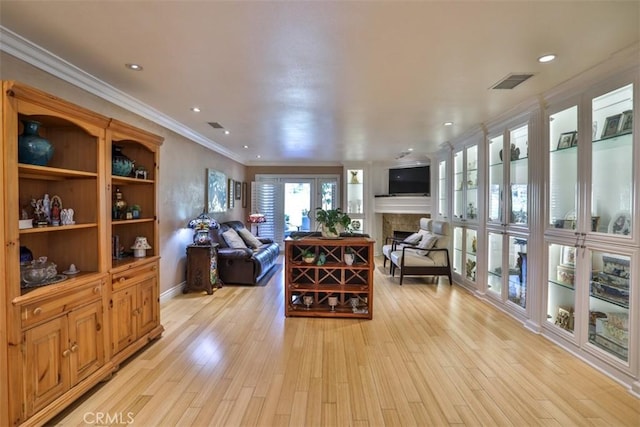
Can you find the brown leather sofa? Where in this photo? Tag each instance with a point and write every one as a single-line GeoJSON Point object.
{"type": "Point", "coordinates": [244, 266]}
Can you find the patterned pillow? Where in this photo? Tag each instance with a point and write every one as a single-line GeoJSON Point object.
{"type": "Point", "coordinates": [233, 239]}
{"type": "Point", "coordinates": [251, 240]}
{"type": "Point", "coordinates": [426, 243]}
{"type": "Point", "coordinates": [412, 239]}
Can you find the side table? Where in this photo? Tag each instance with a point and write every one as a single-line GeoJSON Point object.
{"type": "Point", "coordinates": [202, 268]}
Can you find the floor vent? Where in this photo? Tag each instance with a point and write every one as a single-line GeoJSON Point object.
{"type": "Point", "coordinates": [216, 125]}
{"type": "Point", "coordinates": [511, 81]}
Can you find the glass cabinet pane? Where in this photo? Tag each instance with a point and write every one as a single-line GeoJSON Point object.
{"type": "Point", "coordinates": [561, 286]}
{"type": "Point", "coordinates": [563, 168]}
{"type": "Point", "coordinates": [518, 271]}
{"type": "Point", "coordinates": [495, 179]}
{"type": "Point", "coordinates": [471, 263]}
{"type": "Point", "coordinates": [457, 249]}
{"type": "Point", "coordinates": [442, 190]}
{"type": "Point", "coordinates": [494, 276]}
{"type": "Point", "coordinates": [519, 175]}
{"type": "Point", "coordinates": [612, 150]}
{"type": "Point", "coordinates": [458, 181]}
{"type": "Point", "coordinates": [355, 191]}
{"type": "Point", "coordinates": [472, 183]}
{"type": "Point", "coordinates": [609, 303]}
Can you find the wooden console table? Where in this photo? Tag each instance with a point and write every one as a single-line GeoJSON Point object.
{"type": "Point", "coordinates": [334, 288]}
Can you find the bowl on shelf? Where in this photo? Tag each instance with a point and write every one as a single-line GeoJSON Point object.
{"type": "Point", "coordinates": [38, 271]}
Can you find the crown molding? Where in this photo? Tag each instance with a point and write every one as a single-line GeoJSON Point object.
{"type": "Point", "coordinates": [23, 49]}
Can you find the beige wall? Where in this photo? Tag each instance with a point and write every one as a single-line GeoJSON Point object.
{"type": "Point", "coordinates": [183, 165]}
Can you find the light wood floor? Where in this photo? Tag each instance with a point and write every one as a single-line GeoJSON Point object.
{"type": "Point", "coordinates": [432, 355]}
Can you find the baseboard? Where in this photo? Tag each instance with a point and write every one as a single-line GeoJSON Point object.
{"type": "Point", "coordinates": [171, 292]}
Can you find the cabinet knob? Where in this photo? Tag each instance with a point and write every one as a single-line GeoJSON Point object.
{"type": "Point", "coordinates": [96, 290]}
{"type": "Point", "coordinates": [122, 279]}
{"type": "Point", "coordinates": [74, 348]}
{"type": "Point", "coordinates": [37, 311]}
{"type": "Point", "coordinates": [66, 353]}
{"type": "Point", "coordinates": [154, 268]}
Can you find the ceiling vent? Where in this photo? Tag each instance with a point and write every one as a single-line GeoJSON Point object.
{"type": "Point", "coordinates": [511, 81]}
{"type": "Point", "coordinates": [216, 125]}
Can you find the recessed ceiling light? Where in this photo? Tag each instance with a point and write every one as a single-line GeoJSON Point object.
{"type": "Point", "coordinates": [547, 58]}
{"type": "Point", "coordinates": [134, 67]}
{"type": "Point", "coordinates": [245, 147]}
{"type": "Point", "coordinates": [448, 123]}
{"type": "Point", "coordinates": [226, 132]}
{"type": "Point", "coordinates": [409, 149]}
{"type": "Point", "coordinates": [195, 109]}
{"type": "Point", "coordinates": [258, 156]}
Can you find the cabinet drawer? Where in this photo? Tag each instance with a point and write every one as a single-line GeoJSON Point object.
{"type": "Point", "coordinates": [34, 313]}
{"type": "Point", "coordinates": [133, 275]}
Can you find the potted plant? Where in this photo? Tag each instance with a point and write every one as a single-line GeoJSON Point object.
{"type": "Point", "coordinates": [135, 211]}
{"type": "Point", "coordinates": [332, 221]}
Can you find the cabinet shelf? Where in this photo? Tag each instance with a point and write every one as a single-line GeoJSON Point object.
{"type": "Point", "coordinates": [50, 229]}
{"type": "Point", "coordinates": [117, 222]}
{"type": "Point", "coordinates": [51, 174]}
{"type": "Point", "coordinates": [563, 285]}
{"type": "Point", "coordinates": [123, 180]}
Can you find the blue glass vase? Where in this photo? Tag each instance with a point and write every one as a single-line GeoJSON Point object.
{"type": "Point", "coordinates": [32, 148]}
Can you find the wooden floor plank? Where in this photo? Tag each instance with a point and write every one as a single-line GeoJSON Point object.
{"type": "Point", "coordinates": [433, 355]}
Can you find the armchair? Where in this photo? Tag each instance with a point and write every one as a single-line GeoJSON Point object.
{"type": "Point", "coordinates": [425, 260]}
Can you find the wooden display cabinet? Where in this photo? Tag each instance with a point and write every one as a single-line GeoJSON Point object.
{"type": "Point", "coordinates": [57, 340]}
{"type": "Point", "coordinates": [134, 295]}
{"type": "Point", "coordinates": [311, 289]}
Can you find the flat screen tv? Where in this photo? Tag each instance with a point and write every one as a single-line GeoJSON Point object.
{"type": "Point", "coordinates": [410, 181]}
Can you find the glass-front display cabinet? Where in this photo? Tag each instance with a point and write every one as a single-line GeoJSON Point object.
{"type": "Point", "coordinates": [356, 199]}
{"type": "Point", "coordinates": [465, 177]}
{"type": "Point", "coordinates": [590, 240]}
{"type": "Point", "coordinates": [443, 200]}
{"type": "Point", "coordinates": [465, 248]}
{"type": "Point", "coordinates": [612, 150]}
{"type": "Point", "coordinates": [507, 215]}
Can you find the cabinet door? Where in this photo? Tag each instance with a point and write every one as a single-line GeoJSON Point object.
{"type": "Point", "coordinates": [123, 325]}
{"type": "Point", "coordinates": [46, 363]}
{"type": "Point", "coordinates": [147, 309]}
{"type": "Point", "coordinates": [85, 341]}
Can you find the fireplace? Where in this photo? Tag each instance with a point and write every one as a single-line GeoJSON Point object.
{"type": "Point", "coordinates": [401, 222]}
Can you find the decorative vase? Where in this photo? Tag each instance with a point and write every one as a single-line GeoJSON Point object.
{"type": "Point", "coordinates": [32, 148]}
{"type": "Point", "coordinates": [348, 259]}
{"type": "Point", "coordinates": [121, 165]}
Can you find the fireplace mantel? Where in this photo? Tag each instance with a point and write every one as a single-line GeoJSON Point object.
{"type": "Point", "coordinates": [402, 204]}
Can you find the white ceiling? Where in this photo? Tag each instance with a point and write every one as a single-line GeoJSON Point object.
{"type": "Point", "coordinates": [328, 82]}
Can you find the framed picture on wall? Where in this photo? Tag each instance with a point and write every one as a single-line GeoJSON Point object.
{"type": "Point", "coordinates": [245, 195]}
{"type": "Point", "coordinates": [216, 191]}
{"type": "Point", "coordinates": [237, 190]}
{"type": "Point", "coordinates": [231, 198]}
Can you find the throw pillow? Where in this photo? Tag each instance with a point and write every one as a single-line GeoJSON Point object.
{"type": "Point", "coordinates": [233, 239]}
{"type": "Point", "coordinates": [412, 239]}
{"type": "Point", "coordinates": [426, 244]}
{"type": "Point", "coordinates": [251, 240]}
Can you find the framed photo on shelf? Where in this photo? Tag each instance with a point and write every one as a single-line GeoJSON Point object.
{"type": "Point", "coordinates": [564, 318]}
{"type": "Point", "coordinates": [611, 125]}
{"type": "Point", "coordinates": [626, 122]}
{"type": "Point", "coordinates": [567, 139]}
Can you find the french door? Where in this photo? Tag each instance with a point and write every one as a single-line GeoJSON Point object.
{"type": "Point", "coordinates": [289, 202]}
